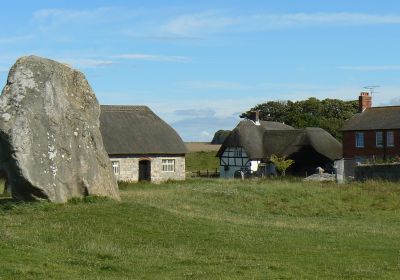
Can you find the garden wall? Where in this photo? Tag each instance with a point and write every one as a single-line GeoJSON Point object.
{"type": "Point", "coordinates": [389, 171]}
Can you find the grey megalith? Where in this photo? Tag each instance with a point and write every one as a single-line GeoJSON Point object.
{"type": "Point", "coordinates": [50, 143]}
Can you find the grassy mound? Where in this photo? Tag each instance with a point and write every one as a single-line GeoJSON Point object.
{"type": "Point", "coordinates": [202, 161]}
{"type": "Point", "coordinates": [208, 229]}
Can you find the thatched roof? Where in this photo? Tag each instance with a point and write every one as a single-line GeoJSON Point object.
{"type": "Point", "coordinates": [251, 137]}
{"type": "Point", "coordinates": [260, 142]}
{"type": "Point", "coordinates": [375, 118]}
{"type": "Point", "coordinates": [137, 130]}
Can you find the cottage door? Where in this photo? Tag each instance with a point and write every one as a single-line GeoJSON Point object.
{"type": "Point", "coordinates": [144, 170]}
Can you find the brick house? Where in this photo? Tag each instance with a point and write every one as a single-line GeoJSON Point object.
{"type": "Point", "coordinates": [372, 133]}
{"type": "Point", "coordinates": [140, 145]}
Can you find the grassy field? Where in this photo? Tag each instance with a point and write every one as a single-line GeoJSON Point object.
{"type": "Point", "coordinates": [202, 147]}
{"type": "Point", "coordinates": [196, 161]}
{"type": "Point", "coordinates": [209, 229]}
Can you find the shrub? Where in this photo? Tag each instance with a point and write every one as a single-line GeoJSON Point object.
{"type": "Point", "coordinates": [281, 163]}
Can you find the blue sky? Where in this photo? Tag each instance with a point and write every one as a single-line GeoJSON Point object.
{"type": "Point", "coordinates": [199, 64]}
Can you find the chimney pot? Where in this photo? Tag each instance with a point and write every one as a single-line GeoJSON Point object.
{"type": "Point", "coordinates": [364, 101]}
{"type": "Point", "coordinates": [255, 117]}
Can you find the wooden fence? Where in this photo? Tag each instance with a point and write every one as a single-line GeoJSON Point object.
{"type": "Point", "coordinates": [205, 173]}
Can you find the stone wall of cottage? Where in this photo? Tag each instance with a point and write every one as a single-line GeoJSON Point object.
{"type": "Point", "coordinates": [129, 168]}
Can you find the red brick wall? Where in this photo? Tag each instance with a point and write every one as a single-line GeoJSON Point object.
{"type": "Point", "coordinates": [370, 149]}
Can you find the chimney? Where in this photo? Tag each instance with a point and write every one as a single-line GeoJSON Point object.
{"type": "Point", "coordinates": [364, 101]}
{"type": "Point", "coordinates": [255, 117]}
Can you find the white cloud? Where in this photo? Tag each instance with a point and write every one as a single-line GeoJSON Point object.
{"type": "Point", "coordinates": [203, 128]}
{"type": "Point", "coordinates": [152, 57]}
{"type": "Point", "coordinates": [210, 20]}
{"type": "Point", "coordinates": [50, 19]}
{"type": "Point", "coordinates": [56, 16]}
{"type": "Point", "coordinates": [154, 34]}
{"type": "Point", "coordinates": [102, 61]}
{"type": "Point", "coordinates": [205, 133]}
{"type": "Point", "coordinates": [86, 63]}
{"type": "Point", "coordinates": [394, 101]}
{"type": "Point", "coordinates": [214, 21]}
{"type": "Point", "coordinates": [371, 68]}
{"type": "Point", "coordinates": [206, 112]}
{"type": "Point", "coordinates": [222, 85]}
{"type": "Point", "coordinates": [222, 107]}
{"type": "Point", "coordinates": [15, 39]}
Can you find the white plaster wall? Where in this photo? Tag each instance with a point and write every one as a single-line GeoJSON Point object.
{"type": "Point", "coordinates": [129, 168]}
{"type": "Point", "coordinates": [228, 157]}
{"type": "Point", "coordinates": [254, 165]}
{"type": "Point", "coordinates": [228, 173]}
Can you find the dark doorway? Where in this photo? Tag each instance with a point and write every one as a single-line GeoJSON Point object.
{"type": "Point", "coordinates": [144, 170]}
{"type": "Point", "coordinates": [306, 160]}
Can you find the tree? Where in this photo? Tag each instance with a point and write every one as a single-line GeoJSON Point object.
{"type": "Point", "coordinates": [281, 163]}
{"type": "Point", "coordinates": [220, 136]}
{"type": "Point", "coordinates": [329, 114]}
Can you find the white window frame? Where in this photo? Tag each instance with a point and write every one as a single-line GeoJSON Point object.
{"type": "Point", "coordinates": [238, 152]}
{"type": "Point", "coordinates": [360, 141]}
{"type": "Point", "coordinates": [115, 166]}
{"type": "Point", "coordinates": [379, 139]}
{"type": "Point", "coordinates": [168, 165]}
{"type": "Point", "coordinates": [390, 138]}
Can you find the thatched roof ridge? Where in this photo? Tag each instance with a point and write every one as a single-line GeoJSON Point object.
{"type": "Point", "coordinates": [246, 134]}
{"type": "Point", "coordinates": [261, 143]}
{"type": "Point", "coordinates": [250, 136]}
{"type": "Point", "coordinates": [324, 143]}
{"type": "Point", "coordinates": [137, 130]}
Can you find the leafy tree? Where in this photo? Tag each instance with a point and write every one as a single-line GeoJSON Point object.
{"type": "Point", "coordinates": [329, 114]}
{"type": "Point", "coordinates": [281, 163]}
{"type": "Point", "coordinates": [220, 136]}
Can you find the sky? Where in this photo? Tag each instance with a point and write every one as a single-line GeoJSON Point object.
{"type": "Point", "coordinates": [199, 64]}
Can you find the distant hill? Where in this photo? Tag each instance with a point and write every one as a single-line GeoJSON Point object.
{"type": "Point", "coordinates": [220, 136]}
{"type": "Point", "coordinates": [201, 147]}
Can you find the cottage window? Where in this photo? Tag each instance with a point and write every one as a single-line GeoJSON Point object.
{"type": "Point", "coordinates": [168, 165]}
{"type": "Point", "coordinates": [390, 139]}
{"type": "Point", "coordinates": [379, 138]}
{"type": "Point", "coordinates": [360, 139]}
{"type": "Point", "coordinates": [115, 166]}
{"type": "Point", "coordinates": [238, 152]}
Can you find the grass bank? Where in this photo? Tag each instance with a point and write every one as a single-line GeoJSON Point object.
{"type": "Point", "coordinates": [202, 161]}
{"type": "Point", "coordinates": [208, 229]}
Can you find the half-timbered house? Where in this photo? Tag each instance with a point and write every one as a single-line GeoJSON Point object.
{"type": "Point", "coordinates": [253, 142]}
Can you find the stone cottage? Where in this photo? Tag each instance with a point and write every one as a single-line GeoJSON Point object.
{"type": "Point", "coordinates": [141, 146]}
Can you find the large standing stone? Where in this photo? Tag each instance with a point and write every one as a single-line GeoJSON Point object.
{"type": "Point", "coordinates": [50, 142]}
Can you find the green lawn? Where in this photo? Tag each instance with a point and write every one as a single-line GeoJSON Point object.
{"type": "Point", "coordinates": [209, 229]}
{"type": "Point", "coordinates": [202, 161]}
